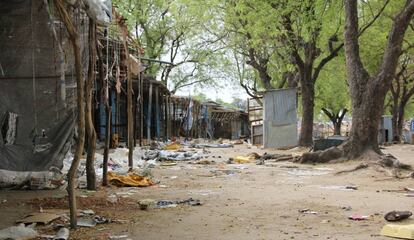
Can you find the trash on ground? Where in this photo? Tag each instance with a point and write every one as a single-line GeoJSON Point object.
{"type": "Point", "coordinates": [307, 211]}
{"type": "Point", "coordinates": [175, 203]}
{"type": "Point", "coordinates": [398, 231]}
{"type": "Point", "coordinates": [144, 204]}
{"type": "Point", "coordinates": [357, 217]}
{"type": "Point", "coordinates": [167, 164]}
{"type": "Point", "coordinates": [42, 218]}
{"type": "Point", "coordinates": [340, 187]}
{"type": "Point", "coordinates": [130, 180]}
{"type": "Point", "coordinates": [351, 187]}
{"type": "Point", "coordinates": [19, 232]}
{"type": "Point", "coordinates": [112, 198]}
{"type": "Point", "coordinates": [173, 146]}
{"type": "Point", "coordinates": [224, 145]}
{"type": "Point", "coordinates": [397, 215]}
{"type": "Point", "coordinates": [62, 234]}
{"type": "Point", "coordinates": [86, 222]}
{"type": "Point", "coordinates": [118, 237]}
{"type": "Point", "coordinates": [87, 212]}
{"type": "Point", "coordinates": [249, 158]}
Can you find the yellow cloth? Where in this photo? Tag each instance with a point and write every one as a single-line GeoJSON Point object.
{"type": "Point", "coordinates": [130, 180]}
{"type": "Point", "coordinates": [398, 231]}
{"type": "Point", "coordinates": [172, 146]}
{"type": "Point", "coordinates": [242, 159]}
{"type": "Point", "coordinates": [246, 159]}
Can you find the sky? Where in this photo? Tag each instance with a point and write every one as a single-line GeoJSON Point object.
{"type": "Point", "coordinates": [226, 92]}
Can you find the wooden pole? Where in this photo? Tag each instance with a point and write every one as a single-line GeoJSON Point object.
{"type": "Point", "coordinates": [157, 112]}
{"type": "Point", "coordinates": [107, 141]}
{"type": "Point", "coordinates": [124, 28]}
{"type": "Point", "coordinates": [74, 38]}
{"type": "Point", "coordinates": [141, 106]}
{"type": "Point", "coordinates": [149, 114]}
{"type": "Point", "coordinates": [90, 129]}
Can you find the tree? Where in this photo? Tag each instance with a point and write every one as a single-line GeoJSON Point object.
{"type": "Point", "coordinates": [170, 31]}
{"type": "Point", "coordinates": [402, 89]}
{"type": "Point", "coordinates": [90, 129]}
{"type": "Point", "coordinates": [74, 39]}
{"type": "Point", "coordinates": [292, 40]}
{"type": "Point", "coordinates": [332, 95]}
{"type": "Point", "coordinates": [368, 91]}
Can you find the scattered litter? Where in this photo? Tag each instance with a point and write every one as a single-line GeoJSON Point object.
{"type": "Point", "coordinates": [117, 237]}
{"type": "Point", "coordinates": [307, 172]}
{"type": "Point", "coordinates": [397, 215]}
{"type": "Point", "coordinates": [350, 187]}
{"type": "Point", "coordinates": [202, 192]}
{"type": "Point", "coordinates": [224, 145]}
{"type": "Point", "coordinates": [172, 146]}
{"type": "Point", "coordinates": [167, 164]}
{"type": "Point", "coordinates": [86, 222]}
{"type": "Point", "coordinates": [307, 211]}
{"type": "Point", "coordinates": [112, 198]}
{"type": "Point", "coordinates": [251, 157]}
{"type": "Point", "coordinates": [340, 187]}
{"type": "Point", "coordinates": [145, 203]}
{"type": "Point", "coordinates": [130, 180]}
{"type": "Point", "coordinates": [357, 217]}
{"type": "Point", "coordinates": [398, 231]}
{"type": "Point", "coordinates": [87, 212]}
{"type": "Point", "coordinates": [204, 162]}
{"type": "Point", "coordinates": [175, 203]}
{"type": "Point", "coordinates": [62, 234]}
{"type": "Point", "coordinates": [42, 218]}
{"type": "Point", "coordinates": [19, 232]}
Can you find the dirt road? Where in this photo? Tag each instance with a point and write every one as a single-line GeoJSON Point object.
{"type": "Point", "coordinates": [244, 201]}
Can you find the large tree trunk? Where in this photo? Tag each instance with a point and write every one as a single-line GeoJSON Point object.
{"type": "Point", "coordinates": [368, 93]}
{"type": "Point", "coordinates": [394, 119]}
{"type": "Point", "coordinates": [90, 129]}
{"type": "Point", "coordinates": [74, 38]}
{"type": "Point", "coordinates": [336, 119]}
{"type": "Point", "coordinates": [337, 128]}
{"type": "Point", "coordinates": [400, 122]}
{"type": "Point", "coordinates": [308, 103]}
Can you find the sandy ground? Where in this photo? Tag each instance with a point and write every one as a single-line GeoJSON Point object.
{"type": "Point", "coordinates": [241, 201]}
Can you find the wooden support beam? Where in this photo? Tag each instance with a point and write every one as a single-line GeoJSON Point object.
{"type": "Point", "coordinates": [149, 114]}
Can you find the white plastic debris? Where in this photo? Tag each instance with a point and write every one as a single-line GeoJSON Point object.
{"type": "Point", "coordinates": [19, 232]}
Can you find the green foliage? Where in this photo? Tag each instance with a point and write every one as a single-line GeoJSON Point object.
{"type": "Point", "coordinates": [331, 90]}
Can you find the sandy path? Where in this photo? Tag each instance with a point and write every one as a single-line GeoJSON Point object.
{"type": "Point", "coordinates": [253, 202]}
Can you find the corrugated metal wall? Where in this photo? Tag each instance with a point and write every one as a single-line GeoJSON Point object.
{"type": "Point", "coordinates": [280, 118]}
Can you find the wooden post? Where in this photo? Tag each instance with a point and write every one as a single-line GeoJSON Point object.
{"type": "Point", "coordinates": [149, 114]}
{"type": "Point", "coordinates": [107, 141]}
{"type": "Point", "coordinates": [157, 112]}
{"type": "Point", "coordinates": [90, 129]}
{"type": "Point", "coordinates": [173, 120]}
{"type": "Point", "coordinates": [130, 130]}
{"type": "Point", "coordinates": [74, 38]}
{"type": "Point", "coordinates": [167, 118]}
{"type": "Point", "coordinates": [141, 106]}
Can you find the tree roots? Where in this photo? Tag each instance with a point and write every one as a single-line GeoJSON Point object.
{"type": "Point", "coordinates": [384, 163]}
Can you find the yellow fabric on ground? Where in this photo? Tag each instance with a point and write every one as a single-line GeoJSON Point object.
{"type": "Point", "coordinates": [130, 180]}
{"type": "Point", "coordinates": [398, 231]}
{"type": "Point", "coordinates": [172, 146]}
{"type": "Point", "coordinates": [243, 159]}
{"type": "Point", "coordinates": [251, 157]}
